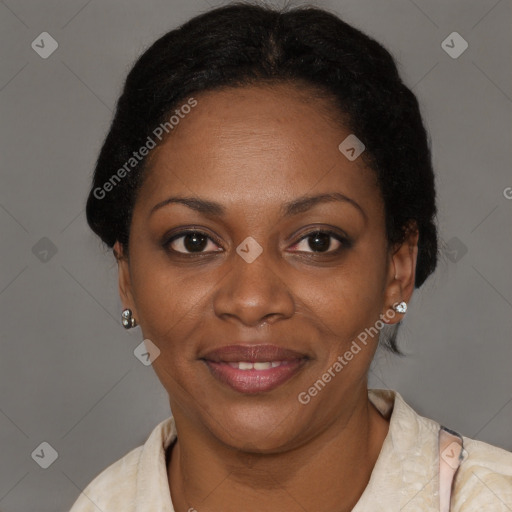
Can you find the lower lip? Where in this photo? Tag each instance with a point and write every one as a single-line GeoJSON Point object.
{"type": "Point", "coordinates": [254, 381]}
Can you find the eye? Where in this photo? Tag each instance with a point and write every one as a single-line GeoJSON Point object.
{"type": "Point", "coordinates": [196, 241]}
{"type": "Point", "coordinates": [320, 242]}
{"type": "Point", "coordinates": [189, 242]}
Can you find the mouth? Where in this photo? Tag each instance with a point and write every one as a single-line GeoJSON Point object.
{"type": "Point", "coordinates": [254, 369]}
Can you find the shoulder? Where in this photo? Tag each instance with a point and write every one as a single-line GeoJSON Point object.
{"type": "Point", "coordinates": [113, 488]}
{"type": "Point", "coordinates": [137, 478]}
{"type": "Point", "coordinates": [484, 478]}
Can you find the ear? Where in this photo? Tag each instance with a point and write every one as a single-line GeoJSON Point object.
{"type": "Point", "coordinates": [401, 274]}
{"type": "Point", "coordinates": [125, 287]}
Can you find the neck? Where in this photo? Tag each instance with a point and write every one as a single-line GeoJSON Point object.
{"type": "Point", "coordinates": [328, 473]}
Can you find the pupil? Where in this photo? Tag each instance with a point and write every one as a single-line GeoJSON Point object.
{"type": "Point", "coordinates": [199, 242]}
{"type": "Point", "coordinates": [323, 245]}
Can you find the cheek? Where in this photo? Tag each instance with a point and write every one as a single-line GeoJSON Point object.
{"type": "Point", "coordinates": [170, 306]}
{"type": "Point", "coordinates": [166, 300]}
{"type": "Point", "coordinates": [351, 297]}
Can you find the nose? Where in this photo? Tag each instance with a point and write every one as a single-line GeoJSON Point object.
{"type": "Point", "coordinates": [254, 292]}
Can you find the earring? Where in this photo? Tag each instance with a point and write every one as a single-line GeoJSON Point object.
{"type": "Point", "coordinates": [400, 307]}
{"type": "Point", "coordinates": [127, 319]}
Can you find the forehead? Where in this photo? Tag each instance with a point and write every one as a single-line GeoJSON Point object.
{"type": "Point", "coordinates": [256, 145]}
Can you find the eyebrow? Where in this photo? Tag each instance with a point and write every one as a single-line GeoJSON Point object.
{"type": "Point", "coordinates": [300, 205]}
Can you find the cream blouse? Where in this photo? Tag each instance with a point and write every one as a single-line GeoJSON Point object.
{"type": "Point", "coordinates": [405, 477]}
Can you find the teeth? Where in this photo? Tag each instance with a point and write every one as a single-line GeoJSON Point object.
{"type": "Point", "coordinates": [262, 366]}
{"type": "Point", "coordinates": [244, 365]}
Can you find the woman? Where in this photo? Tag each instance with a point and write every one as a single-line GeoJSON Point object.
{"type": "Point", "coordinates": [268, 192]}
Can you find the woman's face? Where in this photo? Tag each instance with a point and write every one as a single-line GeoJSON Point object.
{"type": "Point", "coordinates": [250, 276]}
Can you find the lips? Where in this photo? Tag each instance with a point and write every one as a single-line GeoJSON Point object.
{"type": "Point", "coordinates": [252, 353]}
{"type": "Point", "coordinates": [253, 368]}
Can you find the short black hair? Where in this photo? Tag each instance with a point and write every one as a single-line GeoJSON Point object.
{"type": "Point", "coordinates": [242, 44]}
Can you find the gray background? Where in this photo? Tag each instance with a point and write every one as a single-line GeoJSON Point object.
{"type": "Point", "coordinates": [68, 375]}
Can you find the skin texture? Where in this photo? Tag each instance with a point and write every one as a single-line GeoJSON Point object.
{"type": "Point", "coordinates": [253, 149]}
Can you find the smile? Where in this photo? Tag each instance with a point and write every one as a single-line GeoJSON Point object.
{"type": "Point", "coordinates": [253, 368]}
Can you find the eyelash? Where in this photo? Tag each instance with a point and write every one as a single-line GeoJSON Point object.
{"type": "Point", "coordinates": [345, 243]}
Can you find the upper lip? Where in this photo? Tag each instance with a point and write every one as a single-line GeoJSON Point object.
{"type": "Point", "coordinates": [252, 354]}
